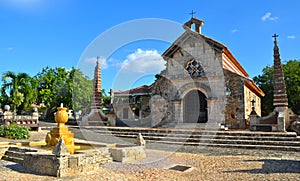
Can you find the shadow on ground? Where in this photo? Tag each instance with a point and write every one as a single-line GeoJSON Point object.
{"type": "Point", "coordinates": [273, 166]}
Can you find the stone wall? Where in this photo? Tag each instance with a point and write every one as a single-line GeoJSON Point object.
{"type": "Point", "coordinates": [61, 166]}
{"type": "Point", "coordinates": [238, 103]}
{"type": "Point", "coordinates": [138, 114]}
{"type": "Point", "coordinates": [235, 109]}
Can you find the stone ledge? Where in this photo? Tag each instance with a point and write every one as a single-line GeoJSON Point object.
{"type": "Point", "coordinates": [48, 164]}
{"type": "Point", "coordinates": [128, 154]}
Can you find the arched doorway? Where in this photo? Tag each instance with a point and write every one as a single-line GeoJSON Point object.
{"type": "Point", "coordinates": [195, 107]}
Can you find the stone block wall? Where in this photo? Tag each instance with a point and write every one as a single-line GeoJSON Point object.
{"type": "Point", "coordinates": [128, 154]}
{"type": "Point", "coordinates": [235, 109]}
{"type": "Point", "coordinates": [61, 166]}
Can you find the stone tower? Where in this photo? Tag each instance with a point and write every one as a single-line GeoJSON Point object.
{"type": "Point", "coordinates": [280, 97]}
{"type": "Point", "coordinates": [280, 100]}
{"type": "Point", "coordinates": [277, 119]}
{"type": "Point", "coordinates": [96, 117]}
{"type": "Point", "coordinates": [97, 89]}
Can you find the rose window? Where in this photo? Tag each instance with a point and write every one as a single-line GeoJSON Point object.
{"type": "Point", "coordinates": [194, 68]}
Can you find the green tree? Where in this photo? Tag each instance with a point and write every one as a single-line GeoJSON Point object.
{"type": "Point", "coordinates": [18, 89]}
{"type": "Point", "coordinates": [45, 80]}
{"type": "Point", "coordinates": [59, 85]}
{"type": "Point", "coordinates": [82, 92]}
{"type": "Point", "coordinates": [105, 99]}
{"type": "Point", "coordinates": [54, 88]}
{"type": "Point", "coordinates": [291, 71]}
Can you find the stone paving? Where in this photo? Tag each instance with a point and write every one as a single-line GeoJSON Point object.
{"type": "Point", "coordinates": [207, 163]}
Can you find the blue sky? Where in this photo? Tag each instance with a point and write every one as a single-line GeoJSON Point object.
{"type": "Point", "coordinates": [39, 33]}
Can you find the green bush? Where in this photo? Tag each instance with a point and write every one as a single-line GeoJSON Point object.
{"type": "Point", "coordinates": [15, 132]}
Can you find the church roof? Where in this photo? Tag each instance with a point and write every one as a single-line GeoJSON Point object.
{"type": "Point", "coordinates": [142, 90]}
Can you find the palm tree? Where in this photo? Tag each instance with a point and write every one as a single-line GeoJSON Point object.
{"type": "Point", "coordinates": [17, 88]}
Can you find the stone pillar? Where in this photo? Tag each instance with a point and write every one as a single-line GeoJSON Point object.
{"type": "Point", "coordinates": [212, 110]}
{"type": "Point", "coordinates": [254, 120]}
{"type": "Point", "coordinates": [35, 113]}
{"type": "Point", "coordinates": [178, 111]}
{"type": "Point", "coordinates": [282, 117]}
{"type": "Point", "coordinates": [112, 119]}
{"type": "Point", "coordinates": [7, 113]}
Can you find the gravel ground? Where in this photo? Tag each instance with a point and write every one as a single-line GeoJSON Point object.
{"type": "Point", "coordinates": [202, 168]}
{"type": "Point", "coordinates": [207, 163]}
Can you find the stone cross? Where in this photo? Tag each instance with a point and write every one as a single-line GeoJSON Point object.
{"type": "Point", "coordinates": [253, 106]}
{"type": "Point", "coordinates": [192, 13]}
{"type": "Point", "coordinates": [275, 37]}
{"type": "Point", "coordinates": [97, 60]}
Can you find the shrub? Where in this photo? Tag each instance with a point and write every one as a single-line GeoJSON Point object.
{"type": "Point", "coordinates": [14, 131]}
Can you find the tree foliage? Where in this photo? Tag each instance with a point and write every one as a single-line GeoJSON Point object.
{"type": "Point", "coordinates": [106, 99]}
{"type": "Point", "coordinates": [51, 87]}
{"type": "Point", "coordinates": [82, 92]}
{"type": "Point", "coordinates": [58, 85]}
{"type": "Point", "coordinates": [291, 71]}
{"type": "Point", "coordinates": [18, 89]}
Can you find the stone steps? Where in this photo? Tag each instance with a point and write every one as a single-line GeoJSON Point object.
{"type": "Point", "coordinates": [218, 141]}
{"type": "Point", "coordinates": [16, 154]}
{"type": "Point", "coordinates": [263, 147]}
{"type": "Point", "coordinates": [12, 159]}
{"type": "Point", "coordinates": [203, 136]}
{"type": "Point", "coordinates": [188, 131]}
{"type": "Point", "coordinates": [195, 137]}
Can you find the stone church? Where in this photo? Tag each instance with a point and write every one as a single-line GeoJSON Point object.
{"type": "Point", "coordinates": [203, 84]}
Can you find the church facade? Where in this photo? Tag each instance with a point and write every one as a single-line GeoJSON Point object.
{"type": "Point", "coordinates": [203, 83]}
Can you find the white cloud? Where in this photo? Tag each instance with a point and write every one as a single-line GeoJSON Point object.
{"type": "Point", "coordinates": [291, 37]}
{"type": "Point", "coordinates": [10, 48]}
{"type": "Point", "coordinates": [143, 61]}
{"type": "Point", "coordinates": [268, 16]}
{"type": "Point", "coordinates": [234, 31]}
{"type": "Point", "coordinates": [93, 60]}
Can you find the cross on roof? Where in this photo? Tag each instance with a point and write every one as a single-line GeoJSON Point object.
{"type": "Point", "coordinates": [192, 13]}
{"type": "Point", "coordinates": [97, 60]}
{"type": "Point", "coordinates": [275, 36]}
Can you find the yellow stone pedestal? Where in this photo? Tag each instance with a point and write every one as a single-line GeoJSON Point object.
{"type": "Point", "coordinates": [61, 131]}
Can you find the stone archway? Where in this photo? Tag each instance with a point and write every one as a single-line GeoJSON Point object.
{"type": "Point", "coordinates": [195, 107]}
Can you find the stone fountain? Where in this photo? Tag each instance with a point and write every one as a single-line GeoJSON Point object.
{"type": "Point", "coordinates": [59, 156]}
{"type": "Point", "coordinates": [61, 131]}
